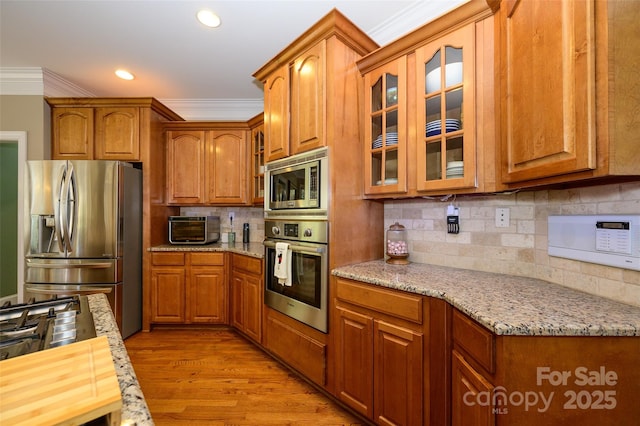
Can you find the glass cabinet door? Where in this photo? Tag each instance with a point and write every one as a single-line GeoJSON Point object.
{"type": "Point", "coordinates": [257, 167]}
{"type": "Point", "coordinates": [446, 125]}
{"type": "Point", "coordinates": [385, 134]}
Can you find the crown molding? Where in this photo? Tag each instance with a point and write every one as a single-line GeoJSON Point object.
{"type": "Point", "coordinates": [39, 82]}
{"type": "Point", "coordinates": [215, 109]}
{"type": "Point", "coordinates": [411, 17]}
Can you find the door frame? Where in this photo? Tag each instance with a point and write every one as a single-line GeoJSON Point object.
{"type": "Point", "coordinates": [19, 137]}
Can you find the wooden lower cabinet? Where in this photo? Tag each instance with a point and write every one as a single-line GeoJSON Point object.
{"type": "Point", "coordinates": [534, 380]}
{"type": "Point", "coordinates": [380, 353]}
{"type": "Point", "coordinates": [247, 295]}
{"type": "Point", "coordinates": [467, 387]}
{"type": "Point", "coordinates": [188, 287]}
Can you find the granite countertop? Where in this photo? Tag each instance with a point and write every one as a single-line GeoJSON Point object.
{"type": "Point", "coordinates": [251, 249]}
{"type": "Point", "coordinates": [134, 406]}
{"type": "Point", "coordinates": [506, 304]}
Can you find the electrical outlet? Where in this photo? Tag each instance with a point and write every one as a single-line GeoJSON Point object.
{"type": "Point", "coordinates": [232, 216]}
{"type": "Point", "coordinates": [502, 217]}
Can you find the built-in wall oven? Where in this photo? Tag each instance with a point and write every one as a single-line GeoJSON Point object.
{"type": "Point", "coordinates": [303, 293]}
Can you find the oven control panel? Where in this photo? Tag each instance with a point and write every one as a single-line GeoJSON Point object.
{"type": "Point", "coordinates": [311, 230]}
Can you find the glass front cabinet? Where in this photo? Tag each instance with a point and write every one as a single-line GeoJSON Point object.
{"type": "Point", "coordinates": [429, 109]}
{"type": "Point", "coordinates": [445, 104]}
{"type": "Point", "coordinates": [385, 134]}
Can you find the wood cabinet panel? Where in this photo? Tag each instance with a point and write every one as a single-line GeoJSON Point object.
{"type": "Point", "coordinates": [72, 136]}
{"type": "Point", "coordinates": [227, 166]}
{"type": "Point", "coordinates": [185, 167]}
{"type": "Point", "coordinates": [117, 134]}
{"type": "Point", "coordinates": [548, 82]}
{"type": "Point", "coordinates": [475, 339]}
{"type": "Point", "coordinates": [354, 364]}
{"type": "Point", "coordinates": [276, 114]}
{"type": "Point", "coordinates": [207, 295]}
{"type": "Point", "coordinates": [308, 99]}
{"type": "Point", "coordinates": [168, 287]}
{"type": "Point", "coordinates": [189, 288]}
{"type": "Point", "coordinates": [398, 375]}
{"type": "Point", "coordinates": [466, 386]}
{"type": "Point", "coordinates": [247, 295]}
{"type": "Point", "coordinates": [299, 350]}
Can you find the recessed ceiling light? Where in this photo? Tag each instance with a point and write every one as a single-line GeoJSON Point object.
{"type": "Point", "coordinates": [124, 74]}
{"type": "Point", "coordinates": [208, 18]}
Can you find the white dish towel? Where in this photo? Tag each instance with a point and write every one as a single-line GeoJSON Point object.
{"type": "Point", "coordinates": [282, 266]}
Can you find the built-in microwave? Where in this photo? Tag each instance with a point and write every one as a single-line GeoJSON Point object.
{"type": "Point", "coordinates": [194, 229]}
{"type": "Point", "coordinates": [297, 185]}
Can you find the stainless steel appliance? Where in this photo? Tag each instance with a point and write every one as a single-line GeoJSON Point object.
{"type": "Point", "coordinates": [194, 229]}
{"type": "Point", "coordinates": [305, 297]}
{"type": "Point", "coordinates": [84, 233]}
{"type": "Point", "coordinates": [297, 185]}
{"type": "Point", "coordinates": [35, 326]}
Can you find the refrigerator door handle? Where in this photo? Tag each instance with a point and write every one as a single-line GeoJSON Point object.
{"type": "Point", "coordinates": [67, 207]}
{"type": "Point", "coordinates": [59, 212]}
{"type": "Point", "coordinates": [31, 263]}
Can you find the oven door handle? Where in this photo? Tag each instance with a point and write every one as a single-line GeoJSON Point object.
{"type": "Point", "coordinates": [297, 248]}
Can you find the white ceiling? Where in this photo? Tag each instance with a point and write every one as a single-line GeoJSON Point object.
{"type": "Point", "coordinates": [174, 58]}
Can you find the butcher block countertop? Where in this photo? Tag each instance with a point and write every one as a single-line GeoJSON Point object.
{"type": "Point", "coordinates": [506, 304]}
{"type": "Point", "coordinates": [251, 249]}
{"type": "Point", "coordinates": [70, 384]}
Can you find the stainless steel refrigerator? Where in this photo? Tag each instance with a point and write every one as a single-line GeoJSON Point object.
{"type": "Point", "coordinates": [84, 233]}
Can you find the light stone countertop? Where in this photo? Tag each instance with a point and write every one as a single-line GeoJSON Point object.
{"type": "Point", "coordinates": [251, 249]}
{"type": "Point", "coordinates": [506, 304]}
{"type": "Point", "coordinates": [134, 407]}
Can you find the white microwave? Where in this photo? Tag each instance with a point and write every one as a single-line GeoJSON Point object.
{"type": "Point", "coordinates": [297, 185]}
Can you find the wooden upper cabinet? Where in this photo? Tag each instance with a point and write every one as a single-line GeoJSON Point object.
{"type": "Point", "coordinates": [446, 127]}
{"type": "Point", "coordinates": [548, 82]}
{"type": "Point", "coordinates": [207, 163]}
{"type": "Point", "coordinates": [308, 100]}
{"type": "Point", "coordinates": [256, 159]}
{"type": "Point", "coordinates": [226, 167]}
{"type": "Point", "coordinates": [385, 132]}
{"type": "Point", "coordinates": [123, 129]}
{"type": "Point", "coordinates": [569, 94]}
{"type": "Point", "coordinates": [429, 108]}
{"type": "Point", "coordinates": [276, 114]}
{"type": "Point", "coordinates": [185, 166]}
{"type": "Point", "coordinates": [72, 133]}
{"type": "Point", "coordinates": [117, 134]}
{"type": "Point", "coordinates": [310, 88]}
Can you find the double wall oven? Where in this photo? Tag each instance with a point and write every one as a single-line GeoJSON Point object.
{"type": "Point", "coordinates": [297, 237]}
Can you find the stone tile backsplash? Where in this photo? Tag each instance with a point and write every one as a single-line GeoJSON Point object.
{"type": "Point", "coordinates": [254, 216]}
{"type": "Point", "coordinates": [521, 248]}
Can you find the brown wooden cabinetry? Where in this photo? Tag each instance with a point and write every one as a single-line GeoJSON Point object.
{"type": "Point", "coordinates": [380, 353]}
{"type": "Point", "coordinates": [188, 288]}
{"type": "Point", "coordinates": [303, 81]}
{"type": "Point", "coordinates": [207, 163]}
{"type": "Point", "coordinates": [100, 128]}
{"type": "Point", "coordinates": [569, 98]}
{"type": "Point", "coordinates": [425, 97]}
{"type": "Point", "coordinates": [257, 159]}
{"type": "Point", "coordinates": [247, 295]}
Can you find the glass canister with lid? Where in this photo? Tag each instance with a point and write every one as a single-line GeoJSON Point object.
{"type": "Point", "coordinates": [397, 245]}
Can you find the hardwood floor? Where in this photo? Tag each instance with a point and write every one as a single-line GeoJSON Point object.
{"type": "Point", "coordinates": [216, 377]}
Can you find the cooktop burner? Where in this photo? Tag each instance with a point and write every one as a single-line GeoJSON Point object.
{"type": "Point", "coordinates": [34, 326]}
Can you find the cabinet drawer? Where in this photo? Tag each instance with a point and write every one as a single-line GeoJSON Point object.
{"type": "Point", "coordinates": [395, 303]}
{"type": "Point", "coordinates": [247, 263]}
{"type": "Point", "coordinates": [167, 258]}
{"type": "Point", "coordinates": [476, 340]}
{"type": "Point", "coordinates": [207, 258]}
